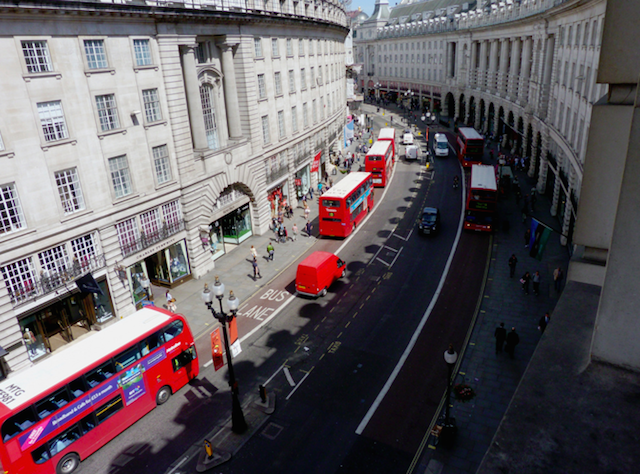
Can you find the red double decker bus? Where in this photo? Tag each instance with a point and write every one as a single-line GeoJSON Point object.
{"type": "Point", "coordinates": [379, 162]}
{"type": "Point", "coordinates": [388, 134]}
{"type": "Point", "coordinates": [345, 204]}
{"type": "Point", "coordinates": [58, 412]}
{"type": "Point", "coordinates": [482, 199]}
{"type": "Point", "coordinates": [470, 147]}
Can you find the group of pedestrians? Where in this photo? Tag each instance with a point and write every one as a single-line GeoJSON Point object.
{"type": "Point", "coordinates": [511, 339]}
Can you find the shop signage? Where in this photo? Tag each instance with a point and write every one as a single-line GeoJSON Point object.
{"type": "Point", "coordinates": [316, 162]}
{"type": "Point", "coordinates": [298, 182]}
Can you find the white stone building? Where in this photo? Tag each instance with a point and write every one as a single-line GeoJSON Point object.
{"type": "Point", "coordinates": [140, 141]}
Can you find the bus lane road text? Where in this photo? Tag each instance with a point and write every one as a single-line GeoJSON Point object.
{"type": "Point", "coordinates": [261, 307]}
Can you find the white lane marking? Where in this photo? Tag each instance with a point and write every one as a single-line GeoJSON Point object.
{"type": "Point", "coordinates": [182, 461]}
{"type": "Point", "coordinates": [403, 238]}
{"type": "Point", "coordinates": [274, 374]}
{"type": "Point", "coordinates": [208, 363]}
{"type": "Point", "coordinates": [273, 315]}
{"type": "Point", "coordinates": [414, 338]}
{"type": "Point", "coordinates": [296, 387]}
{"type": "Point", "coordinates": [396, 257]}
{"type": "Point", "coordinates": [287, 374]}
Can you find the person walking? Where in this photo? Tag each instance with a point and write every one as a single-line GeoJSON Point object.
{"type": "Point", "coordinates": [536, 283]}
{"type": "Point", "coordinates": [307, 211]}
{"type": "Point", "coordinates": [254, 252]}
{"type": "Point", "coordinates": [256, 269]}
{"type": "Point", "coordinates": [500, 335]}
{"type": "Point", "coordinates": [171, 302]}
{"type": "Point", "coordinates": [294, 229]}
{"type": "Point", "coordinates": [542, 324]}
{"type": "Point", "coordinates": [308, 229]}
{"type": "Point", "coordinates": [512, 341]}
{"type": "Point", "coordinates": [513, 260]}
{"type": "Point", "coordinates": [526, 278]}
{"type": "Point", "coordinates": [270, 251]}
{"type": "Point", "coordinates": [281, 238]}
{"type": "Point", "coordinates": [527, 238]}
{"type": "Point", "coordinates": [557, 278]}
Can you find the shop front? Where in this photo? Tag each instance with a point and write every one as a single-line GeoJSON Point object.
{"type": "Point", "coordinates": [236, 226]}
{"type": "Point", "coordinates": [278, 197]}
{"type": "Point", "coordinates": [59, 323]}
{"type": "Point", "coordinates": [213, 240]}
{"type": "Point", "coordinates": [302, 181]}
{"type": "Point", "coordinates": [163, 266]}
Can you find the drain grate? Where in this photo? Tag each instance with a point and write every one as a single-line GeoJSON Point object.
{"type": "Point", "coordinates": [272, 431]}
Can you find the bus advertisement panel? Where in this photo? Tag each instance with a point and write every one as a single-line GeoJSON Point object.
{"type": "Point", "coordinates": [470, 147]}
{"type": "Point", "coordinates": [379, 162]}
{"type": "Point", "coordinates": [60, 411]}
{"type": "Point", "coordinates": [345, 204]}
{"type": "Point", "coordinates": [389, 134]}
{"type": "Point", "coordinates": [482, 199]}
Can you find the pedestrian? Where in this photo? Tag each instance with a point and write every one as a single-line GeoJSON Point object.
{"type": "Point", "coordinates": [513, 260]}
{"type": "Point", "coordinates": [500, 335]}
{"type": "Point", "coordinates": [526, 278]}
{"type": "Point", "coordinates": [286, 234]}
{"type": "Point", "coordinates": [557, 278]}
{"type": "Point", "coordinates": [536, 283]}
{"type": "Point", "coordinates": [171, 302]}
{"type": "Point", "coordinates": [270, 250]}
{"type": "Point", "coordinates": [512, 341]}
{"type": "Point", "coordinates": [281, 238]}
{"type": "Point", "coordinates": [527, 237]}
{"type": "Point", "coordinates": [256, 269]}
{"type": "Point", "coordinates": [308, 228]}
{"type": "Point", "coordinates": [254, 252]}
{"type": "Point", "coordinates": [294, 229]}
{"type": "Point", "coordinates": [310, 192]}
{"type": "Point", "coordinates": [542, 324]}
{"type": "Point", "coordinates": [307, 211]}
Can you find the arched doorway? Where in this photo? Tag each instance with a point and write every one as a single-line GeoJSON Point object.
{"type": "Point", "coordinates": [463, 110]}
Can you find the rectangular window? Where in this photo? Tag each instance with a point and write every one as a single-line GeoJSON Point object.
{"type": "Point", "coordinates": [262, 89]}
{"type": "Point", "coordinates": [36, 55]}
{"type": "Point", "coordinates": [313, 77]}
{"type": "Point", "coordinates": [289, 47]}
{"type": "Point", "coordinates": [171, 214]}
{"type": "Point", "coordinates": [151, 224]}
{"type": "Point", "coordinates": [257, 45]}
{"type": "Point", "coordinates": [303, 79]}
{"type": "Point", "coordinates": [314, 115]}
{"type": "Point", "coordinates": [275, 50]}
{"type": "Point", "coordinates": [83, 248]}
{"type": "Point", "coordinates": [52, 120]}
{"type": "Point", "coordinates": [19, 277]}
{"type": "Point", "coordinates": [301, 47]}
{"type": "Point", "coordinates": [294, 119]}
{"type": "Point", "coordinates": [320, 74]}
{"type": "Point", "coordinates": [305, 115]}
{"type": "Point", "coordinates": [278, 82]}
{"type": "Point", "coordinates": [107, 112]}
{"type": "Point", "coordinates": [54, 260]}
{"type": "Point", "coordinates": [128, 236]}
{"type": "Point", "coordinates": [152, 111]}
{"type": "Point", "coordinates": [109, 409]}
{"type": "Point", "coordinates": [11, 218]}
{"type": "Point", "coordinates": [120, 178]}
{"type": "Point", "coordinates": [209, 116]}
{"type": "Point", "coordinates": [161, 163]}
{"type": "Point", "coordinates": [96, 55]}
{"type": "Point", "coordinates": [142, 52]}
{"type": "Point", "coordinates": [292, 81]}
{"type": "Point", "coordinates": [281, 130]}
{"type": "Point", "coordinates": [69, 190]}
{"type": "Point", "coordinates": [265, 130]}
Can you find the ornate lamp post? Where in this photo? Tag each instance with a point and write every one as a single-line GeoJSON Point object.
{"type": "Point", "coordinates": [238, 423]}
{"type": "Point", "coordinates": [449, 429]}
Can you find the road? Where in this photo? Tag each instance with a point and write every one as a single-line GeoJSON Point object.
{"type": "Point", "coordinates": [329, 359]}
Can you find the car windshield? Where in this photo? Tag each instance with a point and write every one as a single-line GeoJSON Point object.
{"type": "Point", "coordinates": [428, 218]}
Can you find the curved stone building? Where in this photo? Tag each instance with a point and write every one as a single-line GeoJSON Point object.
{"type": "Point", "coordinates": [141, 140]}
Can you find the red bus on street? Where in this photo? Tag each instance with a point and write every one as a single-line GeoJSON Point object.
{"type": "Point", "coordinates": [482, 199]}
{"type": "Point", "coordinates": [345, 204]}
{"type": "Point", "coordinates": [390, 135]}
{"type": "Point", "coordinates": [58, 412]}
{"type": "Point", "coordinates": [470, 147]}
{"type": "Point", "coordinates": [379, 162]}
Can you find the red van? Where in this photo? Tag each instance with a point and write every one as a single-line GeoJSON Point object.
{"type": "Point", "coordinates": [317, 272]}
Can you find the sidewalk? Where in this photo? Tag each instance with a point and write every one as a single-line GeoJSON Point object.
{"type": "Point", "coordinates": [495, 377]}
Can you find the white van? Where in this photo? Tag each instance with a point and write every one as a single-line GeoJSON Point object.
{"type": "Point", "coordinates": [441, 145]}
{"type": "Point", "coordinates": [411, 152]}
{"type": "Point", "coordinates": [407, 138]}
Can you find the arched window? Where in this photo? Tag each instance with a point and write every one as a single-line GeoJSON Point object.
{"type": "Point", "coordinates": [209, 115]}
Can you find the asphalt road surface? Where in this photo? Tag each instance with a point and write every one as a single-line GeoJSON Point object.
{"type": "Point", "coordinates": [329, 359]}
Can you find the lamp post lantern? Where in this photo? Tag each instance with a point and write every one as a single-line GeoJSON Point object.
{"type": "Point", "coordinates": [449, 429]}
{"type": "Point", "coordinates": [238, 423]}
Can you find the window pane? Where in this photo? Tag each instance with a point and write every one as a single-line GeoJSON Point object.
{"type": "Point", "coordinates": [108, 409]}
{"type": "Point", "coordinates": [152, 111]}
{"type": "Point", "coordinates": [120, 179]}
{"type": "Point", "coordinates": [107, 112]}
{"type": "Point", "coordinates": [11, 217]}
{"type": "Point", "coordinates": [142, 52]}
{"type": "Point", "coordinates": [173, 330]}
{"type": "Point", "coordinates": [36, 55]}
{"type": "Point", "coordinates": [126, 358]}
{"type": "Point", "coordinates": [52, 120]}
{"type": "Point", "coordinates": [96, 56]}
{"type": "Point", "coordinates": [262, 90]}
{"type": "Point", "coordinates": [100, 374]}
{"type": "Point", "coordinates": [265, 130]}
{"type": "Point", "coordinates": [161, 163]}
{"type": "Point", "coordinates": [209, 115]}
{"type": "Point", "coordinates": [69, 190]}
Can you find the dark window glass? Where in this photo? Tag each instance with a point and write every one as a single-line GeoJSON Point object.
{"type": "Point", "coordinates": [109, 409]}
{"type": "Point", "coordinates": [126, 358]}
{"type": "Point", "coordinates": [64, 439]}
{"type": "Point", "coordinates": [41, 454]}
{"type": "Point", "coordinates": [151, 343]}
{"type": "Point", "coordinates": [183, 358]}
{"type": "Point", "coordinates": [78, 387]}
{"type": "Point", "coordinates": [18, 423]}
{"type": "Point", "coordinates": [174, 329]}
{"type": "Point", "coordinates": [47, 406]}
{"type": "Point", "coordinates": [100, 374]}
{"type": "Point", "coordinates": [330, 203]}
{"type": "Point", "coordinates": [87, 423]}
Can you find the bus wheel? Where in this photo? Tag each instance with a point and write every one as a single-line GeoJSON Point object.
{"type": "Point", "coordinates": [323, 292]}
{"type": "Point", "coordinates": [163, 395]}
{"type": "Point", "coordinates": [68, 463]}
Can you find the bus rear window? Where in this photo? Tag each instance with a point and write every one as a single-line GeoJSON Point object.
{"type": "Point", "coordinates": [374, 158]}
{"type": "Point", "coordinates": [330, 203]}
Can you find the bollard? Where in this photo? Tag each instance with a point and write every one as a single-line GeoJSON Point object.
{"type": "Point", "coordinates": [207, 448]}
{"type": "Point", "coordinates": [263, 393]}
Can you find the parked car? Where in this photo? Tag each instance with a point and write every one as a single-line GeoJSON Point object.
{"type": "Point", "coordinates": [429, 221]}
{"type": "Point", "coordinates": [317, 272]}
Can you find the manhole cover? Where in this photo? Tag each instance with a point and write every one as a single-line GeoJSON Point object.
{"type": "Point", "coordinates": [272, 431]}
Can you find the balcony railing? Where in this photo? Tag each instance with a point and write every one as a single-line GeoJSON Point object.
{"type": "Point", "coordinates": [51, 281]}
{"type": "Point", "coordinates": [147, 240]}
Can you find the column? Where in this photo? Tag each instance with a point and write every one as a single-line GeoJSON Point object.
{"type": "Point", "coordinates": [194, 105]}
{"type": "Point", "coordinates": [230, 87]}
{"type": "Point", "coordinates": [473, 71]}
{"type": "Point", "coordinates": [556, 196]}
{"type": "Point", "coordinates": [493, 65]}
{"type": "Point", "coordinates": [514, 71]}
{"type": "Point", "coordinates": [483, 65]}
{"type": "Point", "coordinates": [450, 66]}
{"type": "Point", "coordinates": [525, 70]}
{"type": "Point", "coordinates": [504, 63]}
{"type": "Point", "coordinates": [546, 75]}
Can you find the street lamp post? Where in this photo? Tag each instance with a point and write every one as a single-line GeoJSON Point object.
{"type": "Point", "coordinates": [449, 429]}
{"type": "Point", "coordinates": [377, 88]}
{"type": "Point", "coordinates": [238, 423]}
